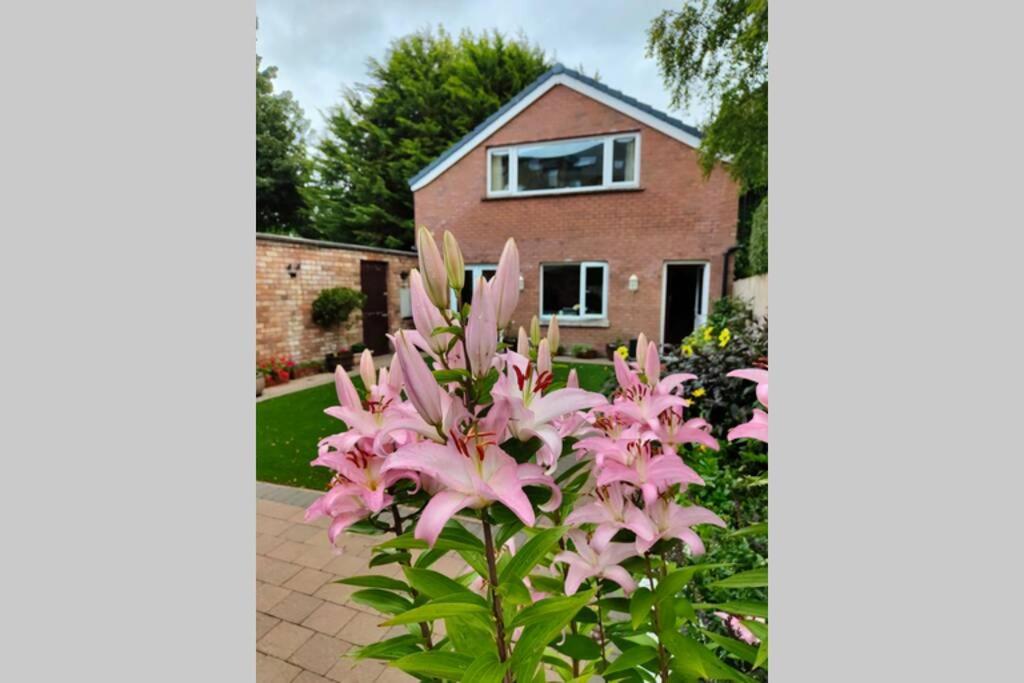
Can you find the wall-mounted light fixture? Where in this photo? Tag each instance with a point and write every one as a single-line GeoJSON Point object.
{"type": "Point", "coordinates": [522, 283]}
{"type": "Point", "coordinates": [293, 269]}
{"type": "Point", "coordinates": [634, 282]}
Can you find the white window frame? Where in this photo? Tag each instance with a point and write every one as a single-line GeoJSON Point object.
{"type": "Point", "coordinates": [478, 270]}
{"type": "Point", "coordinates": [606, 172]}
{"type": "Point", "coordinates": [586, 315]}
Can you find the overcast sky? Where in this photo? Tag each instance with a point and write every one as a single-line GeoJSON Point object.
{"type": "Point", "coordinates": [321, 46]}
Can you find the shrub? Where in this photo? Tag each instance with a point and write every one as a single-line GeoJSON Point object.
{"type": "Point", "coordinates": [583, 351]}
{"type": "Point", "coordinates": [757, 249]}
{"type": "Point", "coordinates": [332, 307]}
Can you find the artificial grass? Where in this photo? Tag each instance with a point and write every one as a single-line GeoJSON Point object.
{"type": "Point", "coordinates": [289, 427]}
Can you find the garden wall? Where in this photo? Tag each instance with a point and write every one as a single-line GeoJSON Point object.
{"type": "Point", "coordinates": [284, 323]}
{"type": "Point", "coordinates": [753, 290]}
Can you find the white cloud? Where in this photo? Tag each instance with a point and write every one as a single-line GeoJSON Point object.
{"type": "Point", "coordinates": [321, 47]}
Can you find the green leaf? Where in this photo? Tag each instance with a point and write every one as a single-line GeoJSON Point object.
{"type": "Point", "coordinates": [762, 652]}
{"type": "Point", "coordinates": [453, 537]}
{"type": "Point", "coordinates": [683, 609]}
{"type": "Point", "coordinates": [382, 600]}
{"type": "Point", "coordinates": [740, 608]}
{"type": "Point", "coordinates": [448, 329]}
{"type": "Point", "coordinates": [759, 529]}
{"type": "Point", "coordinates": [551, 608]}
{"type": "Point", "coordinates": [392, 648]}
{"type": "Point", "coordinates": [736, 648]}
{"type": "Point", "coordinates": [640, 606]}
{"type": "Point", "coordinates": [579, 647]}
{"type": "Point", "coordinates": [435, 663]}
{"type": "Point", "coordinates": [429, 557]}
{"type": "Point", "coordinates": [485, 669]}
{"type": "Point", "coordinates": [691, 659]}
{"type": "Point", "coordinates": [435, 585]}
{"type": "Point", "coordinates": [632, 658]}
{"type": "Point", "coordinates": [571, 471]}
{"type": "Point", "coordinates": [390, 558]}
{"type": "Point", "coordinates": [757, 628]}
{"type": "Point", "coordinates": [506, 532]}
{"type": "Point", "coordinates": [754, 578]}
{"type": "Point", "coordinates": [450, 375]}
{"type": "Point", "coordinates": [674, 582]}
{"type": "Point", "coordinates": [546, 584]}
{"type": "Point", "coordinates": [437, 609]}
{"type": "Point", "coordinates": [375, 581]}
{"type": "Point", "coordinates": [516, 592]}
{"type": "Point", "coordinates": [532, 552]}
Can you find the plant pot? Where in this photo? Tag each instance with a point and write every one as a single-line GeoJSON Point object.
{"type": "Point", "coordinates": [609, 350]}
{"type": "Point", "coordinates": [345, 359]}
{"type": "Point", "coordinates": [632, 348]}
{"type": "Point", "coordinates": [330, 362]}
{"type": "Point", "coordinates": [261, 384]}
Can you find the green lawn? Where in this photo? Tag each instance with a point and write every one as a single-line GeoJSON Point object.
{"type": "Point", "coordinates": [289, 427]}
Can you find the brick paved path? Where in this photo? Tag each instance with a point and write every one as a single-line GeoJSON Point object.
{"type": "Point", "coordinates": [304, 622]}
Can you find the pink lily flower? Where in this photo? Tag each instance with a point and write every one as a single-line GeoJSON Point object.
{"type": "Point", "coordinates": [361, 473]}
{"type": "Point", "coordinates": [345, 505]}
{"type": "Point", "coordinates": [474, 473]}
{"type": "Point", "coordinates": [481, 330]}
{"type": "Point", "coordinates": [505, 284]}
{"type": "Point", "coordinates": [757, 427]}
{"type": "Point", "coordinates": [420, 386]}
{"type": "Point", "coordinates": [365, 420]}
{"type": "Point", "coordinates": [651, 474]}
{"type": "Point", "coordinates": [425, 316]}
{"type": "Point", "coordinates": [593, 559]}
{"type": "Point", "coordinates": [610, 509]}
{"type": "Point", "coordinates": [735, 625]}
{"type": "Point", "coordinates": [531, 410]}
{"type": "Point", "coordinates": [674, 521]}
{"type": "Point", "coordinates": [672, 430]}
{"type": "Point", "coordinates": [435, 277]}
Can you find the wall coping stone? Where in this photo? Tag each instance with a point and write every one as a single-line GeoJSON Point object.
{"type": "Point", "coordinates": [304, 241]}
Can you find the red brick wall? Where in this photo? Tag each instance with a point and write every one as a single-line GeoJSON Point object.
{"type": "Point", "coordinates": [676, 215]}
{"type": "Point", "coordinates": [284, 323]}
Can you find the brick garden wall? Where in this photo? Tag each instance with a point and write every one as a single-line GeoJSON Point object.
{"type": "Point", "coordinates": [284, 323]}
{"type": "Point", "coordinates": [675, 215]}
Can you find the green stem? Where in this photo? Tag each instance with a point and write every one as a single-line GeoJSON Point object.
{"type": "Point", "coordinates": [492, 571]}
{"type": "Point", "coordinates": [662, 655]}
{"type": "Point", "coordinates": [600, 625]}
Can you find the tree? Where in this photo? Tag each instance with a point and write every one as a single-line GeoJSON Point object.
{"type": "Point", "coordinates": [282, 165]}
{"type": "Point", "coordinates": [428, 92]}
{"type": "Point", "coordinates": [717, 51]}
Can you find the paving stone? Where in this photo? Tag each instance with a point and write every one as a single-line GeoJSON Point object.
{"type": "Point", "coordinates": [272, 508]}
{"type": "Point", "coordinates": [319, 654]}
{"type": "Point", "coordinates": [273, 670]}
{"type": "Point", "coordinates": [268, 595]}
{"type": "Point", "coordinates": [295, 607]}
{"type": "Point", "coordinates": [363, 629]}
{"type": "Point", "coordinates": [314, 556]}
{"type": "Point", "coordinates": [346, 565]}
{"type": "Point", "coordinates": [265, 543]}
{"type": "Point", "coordinates": [329, 618]}
{"type": "Point", "coordinates": [308, 581]}
{"type": "Point", "coordinates": [393, 675]}
{"type": "Point", "coordinates": [271, 525]}
{"type": "Point", "coordinates": [302, 532]}
{"type": "Point", "coordinates": [351, 671]}
{"type": "Point", "coordinates": [264, 622]}
{"type": "Point", "coordinates": [283, 640]}
{"type": "Point", "coordinates": [275, 571]}
{"type": "Point", "coordinates": [288, 551]}
{"type": "Point", "coordinates": [310, 677]}
{"type": "Point", "coordinates": [337, 593]}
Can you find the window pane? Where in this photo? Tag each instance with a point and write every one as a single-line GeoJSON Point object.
{"type": "Point", "coordinates": [564, 164]}
{"type": "Point", "coordinates": [561, 290]}
{"type": "Point", "coordinates": [467, 288]}
{"type": "Point", "coordinates": [624, 160]}
{"type": "Point", "coordinates": [499, 172]}
{"type": "Point", "coordinates": [488, 273]}
{"type": "Point", "coordinates": [595, 290]}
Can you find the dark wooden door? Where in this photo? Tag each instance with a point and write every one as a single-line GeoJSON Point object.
{"type": "Point", "coordinates": [373, 279]}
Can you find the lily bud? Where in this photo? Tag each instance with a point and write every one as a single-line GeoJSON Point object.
{"type": "Point", "coordinates": [453, 262]}
{"type": "Point", "coordinates": [481, 332]}
{"type": "Point", "coordinates": [652, 364]}
{"type": "Point", "coordinates": [553, 334]}
{"type": "Point", "coordinates": [425, 315]}
{"type": "Point", "coordinates": [505, 285]}
{"type": "Point", "coordinates": [641, 351]}
{"type": "Point", "coordinates": [535, 331]}
{"type": "Point", "coordinates": [435, 279]}
{"type": "Point", "coordinates": [523, 344]}
{"type": "Point", "coordinates": [366, 370]}
{"type": "Point", "coordinates": [420, 385]}
{"type": "Point", "coordinates": [573, 380]}
{"type": "Point", "coordinates": [543, 357]}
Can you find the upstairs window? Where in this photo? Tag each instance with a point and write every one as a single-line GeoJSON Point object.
{"type": "Point", "coordinates": [574, 290]}
{"type": "Point", "coordinates": [564, 166]}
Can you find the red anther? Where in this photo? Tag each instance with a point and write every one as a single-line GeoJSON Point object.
{"type": "Point", "coordinates": [544, 380]}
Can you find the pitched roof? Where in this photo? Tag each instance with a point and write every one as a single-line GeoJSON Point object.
{"type": "Point", "coordinates": [556, 75]}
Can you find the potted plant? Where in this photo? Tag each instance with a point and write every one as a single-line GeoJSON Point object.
{"type": "Point", "coordinates": [345, 357]}
{"type": "Point", "coordinates": [331, 310]}
{"type": "Point", "coordinates": [358, 347]}
{"type": "Point", "coordinates": [584, 351]}
{"type": "Point", "coordinates": [261, 382]}
{"type": "Point", "coordinates": [612, 347]}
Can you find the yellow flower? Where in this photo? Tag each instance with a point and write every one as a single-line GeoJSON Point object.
{"type": "Point", "coordinates": [708, 331]}
{"type": "Point", "coordinates": [698, 392]}
{"type": "Point", "coordinates": [687, 350]}
{"type": "Point", "coordinates": [724, 337]}
{"type": "Point", "coordinates": [622, 351]}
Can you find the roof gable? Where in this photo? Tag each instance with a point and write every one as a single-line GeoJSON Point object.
{"type": "Point", "coordinates": [556, 75]}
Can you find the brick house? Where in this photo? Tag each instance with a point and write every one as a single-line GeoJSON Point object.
{"type": "Point", "coordinates": [618, 231]}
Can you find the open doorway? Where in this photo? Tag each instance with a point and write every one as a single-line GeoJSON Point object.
{"type": "Point", "coordinates": [685, 300]}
